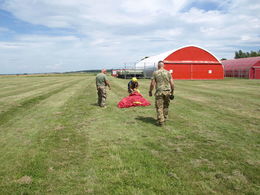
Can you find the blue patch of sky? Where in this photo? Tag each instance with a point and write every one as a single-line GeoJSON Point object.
{"type": "Point", "coordinates": [250, 48]}
{"type": "Point", "coordinates": [19, 27]}
{"type": "Point", "coordinates": [2, 2]}
{"type": "Point", "coordinates": [244, 48]}
{"type": "Point", "coordinates": [203, 5]}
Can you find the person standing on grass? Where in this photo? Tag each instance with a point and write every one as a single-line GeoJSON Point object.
{"type": "Point", "coordinates": [101, 83]}
{"type": "Point", "coordinates": [164, 84]}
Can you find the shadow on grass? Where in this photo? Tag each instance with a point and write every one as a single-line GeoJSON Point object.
{"type": "Point", "coordinates": [150, 120]}
{"type": "Point", "coordinates": [95, 104]}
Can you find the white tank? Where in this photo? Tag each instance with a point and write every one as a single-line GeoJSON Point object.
{"type": "Point", "coordinates": [149, 65]}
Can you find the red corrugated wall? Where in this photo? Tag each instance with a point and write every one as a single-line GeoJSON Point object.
{"type": "Point", "coordinates": [256, 71]}
{"type": "Point", "coordinates": [242, 67]}
{"type": "Point", "coordinates": [193, 63]}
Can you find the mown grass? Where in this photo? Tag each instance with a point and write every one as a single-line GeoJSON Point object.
{"type": "Point", "coordinates": [52, 132]}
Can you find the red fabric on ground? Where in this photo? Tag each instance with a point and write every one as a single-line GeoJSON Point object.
{"type": "Point", "coordinates": [134, 99]}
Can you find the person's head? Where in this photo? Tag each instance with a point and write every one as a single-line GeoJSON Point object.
{"type": "Point", "coordinates": [104, 71]}
{"type": "Point", "coordinates": [134, 79]}
{"type": "Point", "coordinates": [160, 64]}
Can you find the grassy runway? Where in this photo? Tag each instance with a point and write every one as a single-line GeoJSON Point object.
{"type": "Point", "coordinates": [55, 140]}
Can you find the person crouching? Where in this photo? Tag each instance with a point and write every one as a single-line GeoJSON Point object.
{"type": "Point", "coordinates": [133, 85]}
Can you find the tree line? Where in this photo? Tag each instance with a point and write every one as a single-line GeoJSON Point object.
{"type": "Point", "coordinates": [241, 54]}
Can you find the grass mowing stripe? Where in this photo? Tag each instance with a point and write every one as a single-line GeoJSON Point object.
{"type": "Point", "coordinates": [45, 142]}
{"type": "Point", "coordinates": [242, 94]}
{"type": "Point", "coordinates": [12, 101]}
{"type": "Point", "coordinates": [68, 147]}
{"type": "Point", "coordinates": [36, 90]}
{"type": "Point", "coordinates": [29, 87]}
{"type": "Point", "coordinates": [76, 146]}
{"type": "Point", "coordinates": [205, 114]}
{"type": "Point", "coordinates": [9, 114]}
{"type": "Point", "coordinates": [208, 132]}
{"type": "Point", "coordinates": [20, 83]}
{"type": "Point", "coordinates": [238, 105]}
{"type": "Point", "coordinates": [220, 110]}
{"type": "Point", "coordinates": [232, 99]}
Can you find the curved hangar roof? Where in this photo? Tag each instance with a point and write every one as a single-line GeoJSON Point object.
{"type": "Point", "coordinates": [184, 55]}
{"type": "Point", "coordinates": [241, 63]}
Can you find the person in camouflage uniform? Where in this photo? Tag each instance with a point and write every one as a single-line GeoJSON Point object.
{"type": "Point", "coordinates": [101, 83]}
{"type": "Point", "coordinates": [163, 82]}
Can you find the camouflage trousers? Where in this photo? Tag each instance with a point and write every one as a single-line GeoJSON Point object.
{"type": "Point", "coordinates": [102, 96]}
{"type": "Point", "coordinates": [162, 102]}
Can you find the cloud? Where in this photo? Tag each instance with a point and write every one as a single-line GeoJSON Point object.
{"type": "Point", "coordinates": [8, 45]}
{"type": "Point", "coordinates": [97, 34]}
{"type": "Point", "coordinates": [69, 13]}
{"type": "Point", "coordinates": [2, 29]}
{"type": "Point", "coordinates": [45, 38]}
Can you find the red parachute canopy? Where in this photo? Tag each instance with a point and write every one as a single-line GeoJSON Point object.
{"type": "Point", "coordinates": [134, 99]}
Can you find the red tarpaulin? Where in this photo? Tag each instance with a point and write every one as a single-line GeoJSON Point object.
{"type": "Point", "coordinates": [134, 99]}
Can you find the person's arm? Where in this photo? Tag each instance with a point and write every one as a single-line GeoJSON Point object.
{"type": "Point", "coordinates": [108, 84]}
{"type": "Point", "coordinates": [171, 82]}
{"type": "Point", "coordinates": [137, 85]}
{"type": "Point", "coordinates": [129, 87]}
{"type": "Point", "coordinates": [152, 84]}
{"type": "Point", "coordinates": [172, 86]}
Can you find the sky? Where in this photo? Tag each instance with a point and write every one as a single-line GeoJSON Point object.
{"type": "Point", "coordinates": [39, 36]}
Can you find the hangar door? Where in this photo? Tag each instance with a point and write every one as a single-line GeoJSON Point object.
{"type": "Point", "coordinates": [179, 71]}
{"type": "Point", "coordinates": [195, 70]}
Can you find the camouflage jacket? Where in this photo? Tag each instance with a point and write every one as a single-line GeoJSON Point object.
{"type": "Point", "coordinates": [162, 79]}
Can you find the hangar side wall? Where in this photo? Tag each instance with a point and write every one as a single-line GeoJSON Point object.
{"type": "Point", "coordinates": [195, 71]}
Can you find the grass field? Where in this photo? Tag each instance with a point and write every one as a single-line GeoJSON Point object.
{"type": "Point", "coordinates": [55, 140]}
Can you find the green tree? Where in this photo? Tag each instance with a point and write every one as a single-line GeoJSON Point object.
{"type": "Point", "coordinates": [241, 54]}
